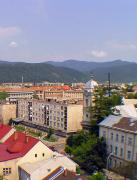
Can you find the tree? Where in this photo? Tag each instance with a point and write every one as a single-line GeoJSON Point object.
{"type": "Point", "coordinates": [102, 107]}
{"type": "Point", "coordinates": [130, 96]}
{"type": "Point", "coordinates": [50, 132]}
{"type": "Point", "coordinates": [97, 176]}
{"type": "Point", "coordinates": [90, 152]}
{"type": "Point", "coordinates": [35, 96]}
{"type": "Point", "coordinates": [3, 95]}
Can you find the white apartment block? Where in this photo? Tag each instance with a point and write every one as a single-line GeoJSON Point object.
{"type": "Point", "coordinates": [14, 95]}
{"type": "Point", "coordinates": [61, 116]}
{"type": "Point", "coordinates": [121, 139]}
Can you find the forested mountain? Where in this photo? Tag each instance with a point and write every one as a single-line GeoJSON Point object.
{"type": "Point", "coordinates": [80, 71]}
{"type": "Point", "coordinates": [88, 65]}
{"type": "Point", "coordinates": [36, 72]}
{"type": "Point", "coordinates": [121, 71]}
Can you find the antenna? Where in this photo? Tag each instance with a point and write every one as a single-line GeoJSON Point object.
{"type": "Point", "coordinates": [22, 80]}
{"type": "Point", "coordinates": [109, 84]}
{"type": "Point", "coordinates": [91, 75]}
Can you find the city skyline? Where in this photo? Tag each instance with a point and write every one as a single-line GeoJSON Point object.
{"type": "Point", "coordinates": [44, 30]}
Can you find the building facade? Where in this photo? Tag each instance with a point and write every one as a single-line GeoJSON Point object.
{"type": "Point", "coordinates": [61, 116]}
{"type": "Point", "coordinates": [120, 134]}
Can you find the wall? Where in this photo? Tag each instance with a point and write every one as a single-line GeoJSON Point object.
{"type": "Point", "coordinates": [75, 116]}
{"type": "Point", "coordinates": [8, 111]}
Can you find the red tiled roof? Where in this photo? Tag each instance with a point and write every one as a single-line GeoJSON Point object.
{"type": "Point", "coordinates": [16, 146]}
{"type": "Point", "coordinates": [35, 88]}
{"type": "Point", "coordinates": [134, 88]}
{"type": "Point", "coordinates": [4, 129]}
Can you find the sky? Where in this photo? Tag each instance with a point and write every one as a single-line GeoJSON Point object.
{"type": "Point", "coordinates": [57, 30]}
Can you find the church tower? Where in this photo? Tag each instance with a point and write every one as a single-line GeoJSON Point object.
{"type": "Point", "coordinates": [88, 102]}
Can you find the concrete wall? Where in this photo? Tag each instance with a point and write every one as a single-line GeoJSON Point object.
{"type": "Point", "coordinates": [7, 111]}
{"type": "Point", "coordinates": [75, 116]}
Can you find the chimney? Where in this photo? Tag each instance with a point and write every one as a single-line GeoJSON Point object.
{"type": "Point", "coordinates": [15, 135]}
{"type": "Point", "coordinates": [26, 139]}
{"type": "Point", "coordinates": [65, 172]}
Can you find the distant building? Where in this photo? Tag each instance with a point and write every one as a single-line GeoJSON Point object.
{"type": "Point", "coordinates": [88, 102]}
{"type": "Point", "coordinates": [120, 134]}
{"type": "Point", "coordinates": [19, 94]}
{"type": "Point", "coordinates": [63, 116]}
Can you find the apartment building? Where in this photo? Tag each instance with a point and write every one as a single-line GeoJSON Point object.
{"type": "Point", "coordinates": [18, 94]}
{"type": "Point", "coordinates": [62, 116]}
{"type": "Point", "coordinates": [120, 134]}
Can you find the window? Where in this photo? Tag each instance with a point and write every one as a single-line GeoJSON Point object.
{"type": "Point", "coordinates": [129, 141]}
{"type": "Point", "coordinates": [104, 134]}
{"type": "Point", "coordinates": [116, 150]}
{"type": "Point", "coordinates": [129, 155]}
{"type": "Point", "coordinates": [116, 137]}
{"type": "Point", "coordinates": [86, 102]}
{"type": "Point", "coordinates": [111, 136]}
{"type": "Point", "coordinates": [35, 155]}
{"type": "Point", "coordinates": [43, 154]}
{"type": "Point", "coordinates": [121, 152]}
{"type": "Point", "coordinates": [111, 148]}
{"type": "Point", "coordinates": [6, 171]}
{"type": "Point", "coordinates": [122, 139]}
{"type": "Point", "coordinates": [61, 107]}
{"type": "Point", "coordinates": [136, 156]}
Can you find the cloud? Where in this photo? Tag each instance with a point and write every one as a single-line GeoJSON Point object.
{"type": "Point", "coordinates": [9, 31]}
{"type": "Point", "coordinates": [13, 44]}
{"type": "Point", "coordinates": [98, 54]}
{"type": "Point", "coordinates": [126, 45]}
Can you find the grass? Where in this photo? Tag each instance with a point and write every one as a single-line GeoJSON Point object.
{"type": "Point", "coordinates": [20, 128]}
{"type": "Point", "coordinates": [30, 131]}
{"type": "Point", "coordinates": [51, 139]}
{"type": "Point", "coordinates": [35, 133]}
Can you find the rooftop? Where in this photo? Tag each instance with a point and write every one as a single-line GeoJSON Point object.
{"type": "Point", "coordinates": [121, 123]}
{"type": "Point", "coordinates": [16, 146]}
{"type": "Point", "coordinates": [47, 166]}
{"type": "Point", "coordinates": [4, 129]}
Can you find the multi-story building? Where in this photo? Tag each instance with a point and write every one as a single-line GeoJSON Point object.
{"type": "Point", "coordinates": [120, 134]}
{"type": "Point", "coordinates": [18, 94]}
{"type": "Point", "coordinates": [62, 116]}
{"type": "Point", "coordinates": [88, 102]}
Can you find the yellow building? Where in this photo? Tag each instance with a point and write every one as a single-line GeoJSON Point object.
{"type": "Point", "coordinates": [7, 111]}
{"type": "Point", "coordinates": [23, 157]}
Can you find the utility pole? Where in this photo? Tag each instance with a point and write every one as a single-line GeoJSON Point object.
{"type": "Point", "coordinates": [109, 84]}
{"type": "Point", "coordinates": [22, 80]}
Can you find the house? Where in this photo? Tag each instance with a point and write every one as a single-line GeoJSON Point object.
{"type": "Point", "coordinates": [20, 148]}
{"type": "Point", "coordinates": [48, 168]}
{"type": "Point", "coordinates": [23, 157]}
{"type": "Point", "coordinates": [120, 134]}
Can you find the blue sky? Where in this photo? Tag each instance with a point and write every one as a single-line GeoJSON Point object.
{"type": "Point", "coordinates": [42, 30]}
